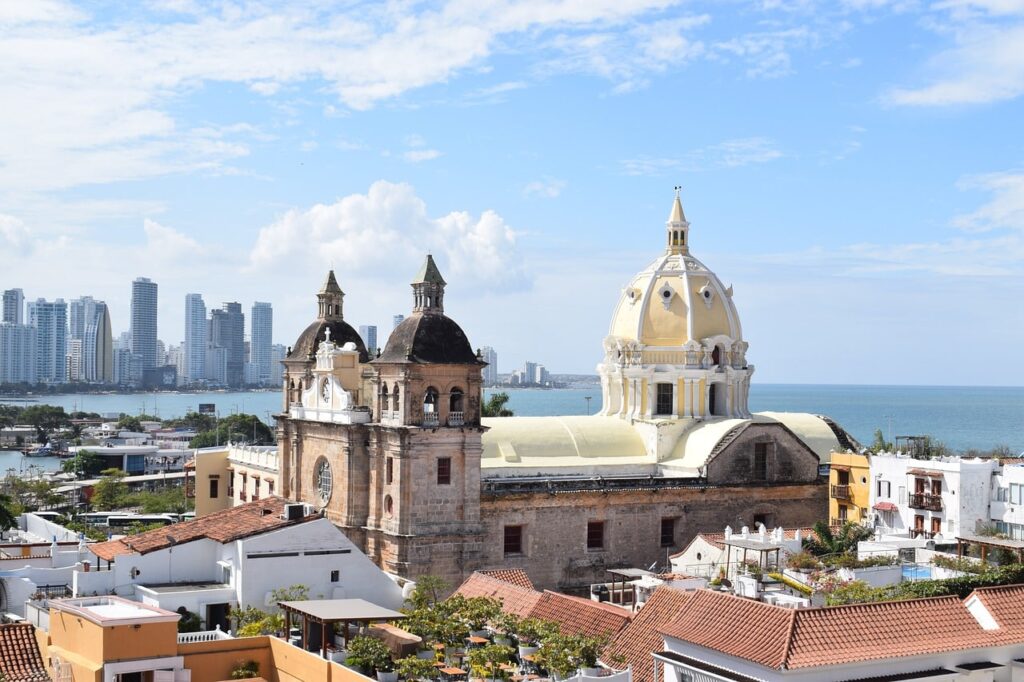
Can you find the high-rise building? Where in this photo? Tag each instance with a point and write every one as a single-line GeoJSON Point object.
{"type": "Point", "coordinates": [127, 368]}
{"type": "Point", "coordinates": [368, 332]}
{"type": "Point", "coordinates": [277, 356]}
{"type": "Point", "coordinates": [51, 322]}
{"type": "Point", "coordinates": [176, 359]}
{"type": "Point", "coordinates": [98, 346]}
{"type": "Point", "coordinates": [227, 333]}
{"type": "Point", "coordinates": [490, 373]}
{"type": "Point", "coordinates": [161, 353]}
{"type": "Point", "coordinates": [80, 312]}
{"type": "Point", "coordinates": [14, 306]}
{"type": "Point", "coordinates": [74, 364]}
{"type": "Point", "coordinates": [143, 322]}
{"type": "Point", "coordinates": [261, 338]}
{"type": "Point", "coordinates": [17, 353]}
{"type": "Point", "coordinates": [396, 320]}
{"type": "Point", "coordinates": [194, 352]}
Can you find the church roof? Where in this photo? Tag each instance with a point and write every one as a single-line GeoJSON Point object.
{"type": "Point", "coordinates": [429, 338]}
{"type": "Point", "coordinates": [313, 335]}
{"type": "Point", "coordinates": [429, 273]}
{"type": "Point", "coordinates": [331, 285]}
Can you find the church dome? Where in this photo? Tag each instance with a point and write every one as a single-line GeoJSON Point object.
{"type": "Point", "coordinates": [315, 334]}
{"type": "Point", "coordinates": [676, 299]}
{"type": "Point", "coordinates": [428, 338]}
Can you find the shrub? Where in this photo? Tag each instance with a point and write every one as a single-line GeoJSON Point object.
{"type": "Point", "coordinates": [486, 660]}
{"type": "Point", "coordinates": [802, 560]}
{"type": "Point", "coordinates": [370, 654]}
{"type": "Point", "coordinates": [245, 669]}
{"type": "Point", "coordinates": [416, 668]}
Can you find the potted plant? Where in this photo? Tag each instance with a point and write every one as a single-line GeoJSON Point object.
{"type": "Point", "coordinates": [415, 668]}
{"type": "Point", "coordinates": [504, 626]}
{"type": "Point", "coordinates": [530, 632]}
{"type": "Point", "coordinates": [372, 655]}
{"type": "Point", "coordinates": [477, 612]}
{"type": "Point", "coordinates": [586, 651]}
{"type": "Point", "coordinates": [245, 670]}
{"type": "Point", "coordinates": [802, 561]}
{"type": "Point", "coordinates": [486, 661]}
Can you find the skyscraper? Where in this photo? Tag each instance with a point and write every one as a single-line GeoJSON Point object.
{"type": "Point", "coordinates": [227, 334]}
{"type": "Point", "coordinates": [490, 373]}
{"type": "Point", "coordinates": [368, 332]}
{"type": "Point", "coordinates": [260, 340]}
{"type": "Point", "coordinates": [143, 323]}
{"type": "Point", "coordinates": [80, 310]}
{"type": "Point", "coordinates": [98, 346]}
{"type": "Point", "coordinates": [51, 322]}
{"type": "Point", "coordinates": [17, 353]}
{"type": "Point", "coordinates": [194, 351]}
{"type": "Point", "coordinates": [277, 355]}
{"type": "Point", "coordinates": [14, 306]}
{"type": "Point", "coordinates": [396, 320]}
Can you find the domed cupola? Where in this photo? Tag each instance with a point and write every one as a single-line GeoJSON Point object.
{"type": "Point", "coordinates": [675, 347]}
{"type": "Point", "coordinates": [330, 299]}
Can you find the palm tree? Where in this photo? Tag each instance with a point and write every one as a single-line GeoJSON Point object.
{"type": "Point", "coordinates": [841, 542]}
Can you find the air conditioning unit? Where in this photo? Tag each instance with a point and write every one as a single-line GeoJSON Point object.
{"type": "Point", "coordinates": [294, 512]}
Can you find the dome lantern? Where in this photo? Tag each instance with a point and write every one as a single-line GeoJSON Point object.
{"type": "Point", "coordinates": [677, 228]}
{"type": "Point", "coordinates": [428, 289]}
{"type": "Point", "coordinates": [330, 299]}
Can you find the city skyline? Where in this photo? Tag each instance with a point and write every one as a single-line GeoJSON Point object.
{"type": "Point", "coordinates": [853, 169]}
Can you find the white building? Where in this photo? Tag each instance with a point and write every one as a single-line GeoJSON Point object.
{"type": "Point", "coordinates": [933, 499]}
{"type": "Point", "coordinates": [234, 559]}
{"type": "Point", "coordinates": [51, 322]}
{"type": "Point", "coordinates": [195, 339]}
{"type": "Point", "coordinates": [490, 372]}
{"type": "Point", "coordinates": [13, 306]}
{"type": "Point", "coordinates": [144, 321]}
{"type": "Point", "coordinates": [17, 353]}
{"type": "Point", "coordinates": [261, 340]}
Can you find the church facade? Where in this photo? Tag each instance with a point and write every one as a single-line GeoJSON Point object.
{"type": "Point", "coordinates": [392, 447]}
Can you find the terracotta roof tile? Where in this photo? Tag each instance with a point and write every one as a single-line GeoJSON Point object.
{"type": "Point", "coordinates": [224, 526]}
{"type": "Point", "coordinates": [20, 660]}
{"type": "Point", "coordinates": [514, 598]}
{"type": "Point", "coordinates": [781, 638]}
{"type": "Point", "coordinates": [516, 576]}
{"type": "Point", "coordinates": [1006, 604]}
{"type": "Point", "coordinates": [641, 637]}
{"type": "Point", "coordinates": [579, 616]}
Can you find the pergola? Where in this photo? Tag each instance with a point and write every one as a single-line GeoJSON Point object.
{"type": "Point", "coordinates": [986, 542]}
{"type": "Point", "coordinates": [327, 612]}
{"type": "Point", "coordinates": [764, 549]}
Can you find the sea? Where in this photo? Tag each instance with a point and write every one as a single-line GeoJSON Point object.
{"type": "Point", "coordinates": [960, 417]}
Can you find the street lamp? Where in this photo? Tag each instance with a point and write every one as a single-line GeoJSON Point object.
{"type": "Point", "coordinates": [587, 398]}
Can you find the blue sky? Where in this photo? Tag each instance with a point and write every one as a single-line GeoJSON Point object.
{"type": "Point", "coordinates": [854, 168]}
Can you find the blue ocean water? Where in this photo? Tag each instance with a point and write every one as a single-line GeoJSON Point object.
{"type": "Point", "coordinates": [960, 417]}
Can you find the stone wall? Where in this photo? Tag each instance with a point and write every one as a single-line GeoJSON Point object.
{"type": "Point", "coordinates": [789, 458]}
{"type": "Point", "coordinates": [555, 554]}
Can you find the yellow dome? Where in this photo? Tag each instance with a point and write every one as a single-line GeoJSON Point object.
{"type": "Point", "coordinates": [675, 299]}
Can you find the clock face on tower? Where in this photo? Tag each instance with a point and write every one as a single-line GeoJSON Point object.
{"type": "Point", "coordinates": [325, 390]}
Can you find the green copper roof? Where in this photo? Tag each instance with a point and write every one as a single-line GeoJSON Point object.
{"type": "Point", "coordinates": [429, 273]}
{"type": "Point", "coordinates": [331, 285]}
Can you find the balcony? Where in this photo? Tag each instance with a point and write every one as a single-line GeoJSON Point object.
{"type": "Point", "coordinates": [926, 501]}
{"type": "Point", "coordinates": [841, 492]}
{"type": "Point", "coordinates": [456, 418]}
{"type": "Point", "coordinates": [921, 533]}
{"type": "Point", "coordinates": [838, 522]}
{"type": "Point", "coordinates": [431, 419]}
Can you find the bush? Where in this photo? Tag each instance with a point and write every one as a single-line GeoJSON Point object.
{"type": "Point", "coordinates": [486, 660]}
{"type": "Point", "coordinates": [416, 668]}
{"type": "Point", "coordinates": [801, 561]}
{"type": "Point", "coordinates": [245, 669]}
{"type": "Point", "coordinates": [370, 654]}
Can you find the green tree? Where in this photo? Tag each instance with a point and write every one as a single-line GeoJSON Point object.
{"type": "Point", "coordinates": [879, 444]}
{"type": "Point", "coordinates": [427, 592]}
{"type": "Point", "coordinates": [110, 492]}
{"type": "Point", "coordinates": [9, 415]}
{"type": "Point", "coordinates": [495, 406]}
{"type": "Point", "coordinates": [193, 420]}
{"type": "Point", "coordinates": [85, 463]}
{"type": "Point", "coordinates": [8, 519]}
{"type": "Point", "coordinates": [238, 428]}
{"type": "Point", "coordinates": [129, 423]}
{"type": "Point", "coordinates": [170, 500]}
{"type": "Point", "coordinates": [45, 419]}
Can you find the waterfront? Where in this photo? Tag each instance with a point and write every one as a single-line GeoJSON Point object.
{"type": "Point", "coordinates": [960, 417]}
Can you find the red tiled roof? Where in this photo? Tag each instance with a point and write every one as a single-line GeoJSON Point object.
{"type": "Point", "coordinates": [514, 599]}
{"type": "Point", "coordinates": [885, 506]}
{"type": "Point", "coordinates": [781, 638]}
{"type": "Point", "coordinates": [579, 616]}
{"type": "Point", "coordinates": [641, 637]}
{"type": "Point", "coordinates": [224, 526]}
{"type": "Point", "coordinates": [516, 576]}
{"type": "Point", "coordinates": [20, 659]}
{"type": "Point", "coordinates": [575, 615]}
{"type": "Point", "coordinates": [1006, 604]}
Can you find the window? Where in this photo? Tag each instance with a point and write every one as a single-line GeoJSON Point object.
{"type": "Point", "coordinates": [664, 405]}
{"type": "Point", "coordinates": [214, 488]}
{"type": "Point", "coordinates": [255, 488]}
{"type": "Point", "coordinates": [843, 477]}
{"type": "Point", "coordinates": [844, 512]}
{"type": "Point", "coordinates": [513, 540]}
{"type": "Point", "coordinates": [335, 576]}
{"type": "Point", "coordinates": [389, 471]}
{"type": "Point", "coordinates": [919, 522]}
{"type": "Point", "coordinates": [323, 480]}
{"type": "Point", "coordinates": [444, 470]}
{"type": "Point", "coordinates": [936, 486]}
{"type": "Point", "coordinates": [1015, 493]}
{"type": "Point", "coordinates": [270, 487]}
{"type": "Point", "coordinates": [394, 399]}
{"type": "Point", "coordinates": [241, 486]}
{"type": "Point", "coordinates": [884, 489]}
{"type": "Point", "coordinates": [668, 532]}
{"type": "Point", "coordinates": [231, 483]}
{"type": "Point", "coordinates": [595, 535]}
{"type": "Point", "coordinates": [760, 468]}
{"type": "Point", "coordinates": [936, 525]}
{"type": "Point", "coordinates": [761, 519]}
{"type": "Point", "coordinates": [1002, 494]}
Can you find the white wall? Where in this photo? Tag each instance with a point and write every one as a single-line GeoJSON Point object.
{"type": "Point", "coordinates": [707, 565]}
{"type": "Point", "coordinates": [46, 529]}
{"type": "Point", "coordinates": [187, 562]}
{"type": "Point", "coordinates": [359, 577]}
{"type": "Point", "coordinates": [193, 600]}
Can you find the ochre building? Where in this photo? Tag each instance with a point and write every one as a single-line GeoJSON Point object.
{"type": "Point", "coordinates": [392, 446]}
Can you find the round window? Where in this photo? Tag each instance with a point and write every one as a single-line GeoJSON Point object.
{"type": "Point", "coordinates": [707, 294]}
{"type": "Point", "coordinates": [666, 294]}
{"type": "Point", "coordinates": [323, 480]}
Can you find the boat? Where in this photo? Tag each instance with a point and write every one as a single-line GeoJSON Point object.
{"type": "Point", "coordinates": [41, 451]}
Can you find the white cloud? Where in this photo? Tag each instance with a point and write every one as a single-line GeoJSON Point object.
{"type": "Point", "coordinates": [767, 54]}
{"type": "Point", "coordinates": [420, 155]}
{"type": "Point", "coordinates": [385, 233]}
{"type": "Point", "coordinates": [1004, 210]}
{"type": "Point", "coordinates": [547, 188]}
{"type": "Point", "coordinates": [13, 234]}
{"type": "Point", "coordinates": [728, 154]}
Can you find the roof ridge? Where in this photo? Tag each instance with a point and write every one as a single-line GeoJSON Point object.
{"type": "Point", "coordinates": [790, 639]}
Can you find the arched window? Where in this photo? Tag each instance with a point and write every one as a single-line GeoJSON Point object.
{"type": "Point", "coordinates": [716, 356]}
{"type": "Point", "coordinates": [323, 480]}
{"type": "Point", "coordinates": [430, 414]}
{"type": "Point", "coordinates": [456, 416]}
{"type": "Point", "coordinates": [394, 399]}
{"type": "Point", "coordinates": [385, 405]}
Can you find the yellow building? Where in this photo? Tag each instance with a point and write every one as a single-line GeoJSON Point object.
{"type": "Point", "coordinates": [233, 474]}
{"type": "Point", "coordinates": [849, 490]}
{"type": "Point", "coordinates": [110, 639]}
